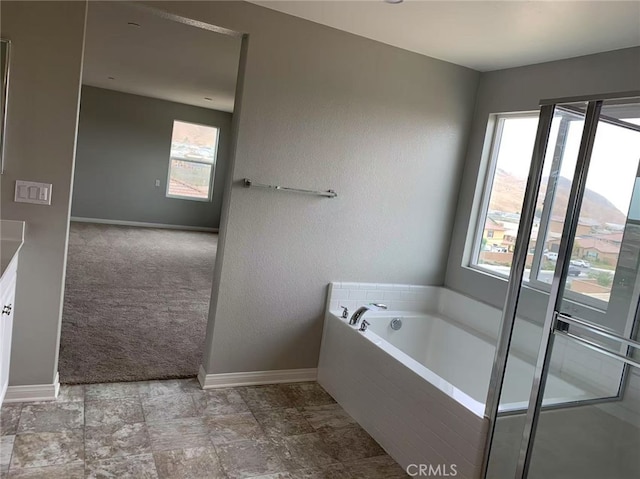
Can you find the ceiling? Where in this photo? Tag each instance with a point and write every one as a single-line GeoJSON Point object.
{"type": "Point", "coordinates": [483, 35]}
{"type": "Point", "coordinates": [182, 63]}
{"type": "Point", "coordinates": [160, 58]}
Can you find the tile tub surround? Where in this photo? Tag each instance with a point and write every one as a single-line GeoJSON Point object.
{"type": "Point", "coordinates": [174, 429]}
{"type": "Point", "coordinates": [398, 297]}
{"type": "Point", "coordinates": [412, 413]}
{"type": "Point", "coordinates": [412, 419]}
{"type": "Point", "coordinates": [596, 373]}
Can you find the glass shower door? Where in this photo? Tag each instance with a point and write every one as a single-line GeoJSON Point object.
{"type": "Point", "coordinates": [577, 302]}
{"type": "Point", "coordinates": [596, 346]}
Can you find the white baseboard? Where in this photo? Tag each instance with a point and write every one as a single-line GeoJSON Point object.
{"type": "Point", "coordinates": [141, 224]}
{"type": "Point", "coordinates": [33, 392]}
{"type": "Point", "coordinates": [253, 378]}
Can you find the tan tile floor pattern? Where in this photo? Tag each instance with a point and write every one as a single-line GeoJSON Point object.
{"type": "Point", "coordinates": [173, 429]}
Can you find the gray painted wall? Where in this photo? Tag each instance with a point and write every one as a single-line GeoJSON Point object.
{"type": "Point", "coordinates": [521, 89]}
{"type": "Point", "coordinates": [325, 109]}
{"type": "Point", "coordinates": [46, 64]}
{"type": "Point", "coordinates": [123, 147]}
{"type": "Point", "coordinates": [321, 109]}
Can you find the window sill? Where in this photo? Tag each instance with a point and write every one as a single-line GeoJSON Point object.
{"type": "Point", "coordinates": [593, 305]}
{"type": "Point", "coordinates": [189, 198]}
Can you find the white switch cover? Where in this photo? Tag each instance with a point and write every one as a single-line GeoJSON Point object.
{"type": "Point", "coordinates": [31, 192]}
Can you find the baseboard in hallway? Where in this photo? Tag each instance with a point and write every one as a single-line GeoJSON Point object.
{"type": "Point", "coordinates": [142, 224]}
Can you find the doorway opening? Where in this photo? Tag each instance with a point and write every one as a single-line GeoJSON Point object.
{"type": "Point", "coordinates": [154, 147]}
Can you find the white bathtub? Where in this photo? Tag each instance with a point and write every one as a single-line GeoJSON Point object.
{"type": "Point", "coordinates": [463, 358]}
{"type": "Point", "coordinates": [420, 391]}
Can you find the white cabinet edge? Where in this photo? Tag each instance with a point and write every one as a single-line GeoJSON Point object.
{"type": "Point", "coordinates": [11, 240]}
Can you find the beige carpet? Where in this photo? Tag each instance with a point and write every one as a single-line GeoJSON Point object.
{"type": "Point", "coordinates": [136, 303]}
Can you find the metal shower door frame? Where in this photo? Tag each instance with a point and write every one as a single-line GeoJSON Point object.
{"type": "Point", "coordinates": [516, 275]}
{"type": "Point", "coordinates": [556, 295]}
{"type": "Point", "coordinates": [548, 108]}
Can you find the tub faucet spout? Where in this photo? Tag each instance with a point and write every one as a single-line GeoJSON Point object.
{"type": "Point", "coordinates": [357, 315]}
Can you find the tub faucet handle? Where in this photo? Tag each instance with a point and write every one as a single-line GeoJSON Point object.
{"type": "Point", "coordinates": [345, 312]}
{"type": "Point", "coordinates": [364, 325]}
{"type": "Point", "coordinates": [379, 306]}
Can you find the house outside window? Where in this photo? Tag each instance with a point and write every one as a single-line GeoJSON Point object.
{"type": "Point", "coordinates": [192, 161]}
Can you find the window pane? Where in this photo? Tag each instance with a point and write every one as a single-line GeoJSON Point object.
{"type": "Point", "coordinates": [555, 188]}
{"type": "Point", "coordinates": [189, 179]}
{"type": "Point", "coordinates": [513, 148]}
{"type": "Point", "coordinates": [193, 154]}
{"type": "Point", "coordinates": [194, 142]}
{"type": "Point", "coordinates": [603, 214]}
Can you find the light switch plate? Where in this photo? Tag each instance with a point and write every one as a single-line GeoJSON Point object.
{"type": "Point", "coordinates": [32, 192]}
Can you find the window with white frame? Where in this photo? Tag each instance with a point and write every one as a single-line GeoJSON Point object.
{"type": "Point", "coordinates": [192, 161]}
{"type": "Point", "coordinates": [510, 157]}
{"type": "Point", "coordinates": [602, 216]}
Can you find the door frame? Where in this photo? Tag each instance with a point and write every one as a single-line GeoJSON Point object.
{"type": "Point", "coordinates": [229, 171]}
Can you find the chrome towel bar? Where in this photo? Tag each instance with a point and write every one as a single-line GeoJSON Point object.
{"type": "Point", "coordinates": [328, 194]}
{"type": "Point", "coordinates": [596, 347]}
{"type": "Point", "coordinates": [600, 331]}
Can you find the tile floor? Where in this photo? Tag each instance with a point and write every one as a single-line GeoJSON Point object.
{"type": "Point", "coordinates": [173, 429]}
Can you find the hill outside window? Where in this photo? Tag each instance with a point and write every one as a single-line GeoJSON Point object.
{"type": "Point", "coordinates": [602, 217]}
{"type": "Point", "coordinates": [194, 149]}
